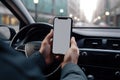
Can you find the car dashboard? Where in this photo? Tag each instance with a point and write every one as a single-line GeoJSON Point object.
{"type": "Point", "coordinates": [99, 52]}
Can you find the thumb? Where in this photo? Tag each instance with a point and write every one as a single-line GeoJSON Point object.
{"type": "Point", "coordinates": [73, 42]}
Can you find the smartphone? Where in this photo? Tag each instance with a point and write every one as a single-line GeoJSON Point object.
{"type": "Point", "coordinates": [62, 34]}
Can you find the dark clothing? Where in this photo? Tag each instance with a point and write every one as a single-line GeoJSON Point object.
{"type": "Point", "coordinates": [72, 72]}
{"type": "Point", "coordinates": [15, 66]}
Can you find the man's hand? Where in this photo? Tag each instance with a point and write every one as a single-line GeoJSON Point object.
{"type": "Point", "coordinates": [72, 54]}
{"type": "Point", "coordinates": [45, 49]}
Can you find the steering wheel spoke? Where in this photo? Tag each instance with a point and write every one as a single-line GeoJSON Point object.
{"type": "Point", "coordinates": [20, 48]}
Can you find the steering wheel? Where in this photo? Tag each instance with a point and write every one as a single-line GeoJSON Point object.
{"type": "Point", "coordinates": [23, 41]}
{"type": "Point", "coordinates": [26, 31]}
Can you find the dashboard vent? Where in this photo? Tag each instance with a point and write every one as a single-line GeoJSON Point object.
{"type": "Point", "coordinates": [93, 43]}
{"type": "Point", "coordinates": [113, 44]}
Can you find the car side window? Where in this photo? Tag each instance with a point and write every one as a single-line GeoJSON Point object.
{"type": "Point", "coordinates": [7, 18]}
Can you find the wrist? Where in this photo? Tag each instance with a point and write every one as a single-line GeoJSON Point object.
{"type": "Point", "coordinates": [42, 53]}
{"type": "Point", "coordinates": [63, 64]}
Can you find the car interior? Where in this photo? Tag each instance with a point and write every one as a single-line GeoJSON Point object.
{"type": "Point", "coordinates": [99, 46]}
{"type": "Point", "coordinates": [7, 33]}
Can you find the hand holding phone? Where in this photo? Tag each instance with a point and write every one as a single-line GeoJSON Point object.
{"type": "Point", "coordinates": [62, 34]}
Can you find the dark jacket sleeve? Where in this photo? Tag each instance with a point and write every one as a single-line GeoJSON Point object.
{"type": "Point", "coordinates": [72, 72]}
{"type": "Point", "coordinates": [38, 59]}
{"type": "Point", "coordinates": [15, 66]}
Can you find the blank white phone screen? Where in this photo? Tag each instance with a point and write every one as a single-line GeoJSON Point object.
{"type": "Point", "coordinates": [62, 33]}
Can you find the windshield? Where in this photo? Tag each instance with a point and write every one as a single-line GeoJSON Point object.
{"type": "Point", "coordinates": [7, 18]}
{"type": "Point", "coordinates": [85, 13]}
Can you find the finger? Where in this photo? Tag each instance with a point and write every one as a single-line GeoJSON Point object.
{"type": "Point", "coordinates": [74, 45]}
{"type": "Point", "coordinates": [49, 36]}
{"type": "Point", "coordinates": [51, 41]}
{"type": "Point", "coordinates": [73, 42]}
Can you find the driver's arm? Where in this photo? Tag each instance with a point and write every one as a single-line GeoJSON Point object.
{"type": "Point", "coordinates": [70, 69]}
